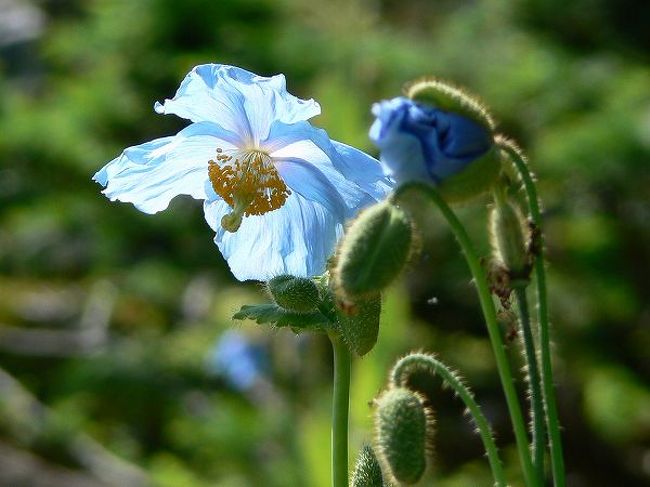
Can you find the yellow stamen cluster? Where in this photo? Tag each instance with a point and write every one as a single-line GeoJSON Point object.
{"type": "Point", "coordinates": [250, 185]}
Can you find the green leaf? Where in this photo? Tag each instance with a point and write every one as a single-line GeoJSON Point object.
{"type": "Point", "coordinates": [272, 314]}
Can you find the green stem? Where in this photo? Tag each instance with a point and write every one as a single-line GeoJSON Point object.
{"type": "Point", "coordinates": [552, 421]}
{"type": "Point", "coordinates": [537, 406]}
{"type": "Point", "coordinates": [418, 360]}
{"type": "Point", "coordinates": [489, 313]}
{"type": "Point", "coordinates": [340, 409]}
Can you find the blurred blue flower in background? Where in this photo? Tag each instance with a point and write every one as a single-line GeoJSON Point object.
{"type": "Point", "coordinates": [277, 190]}
{"type": "Point", "coordinates": [419, 142]}
{"type": "Point", "coordinates": [237, 360]}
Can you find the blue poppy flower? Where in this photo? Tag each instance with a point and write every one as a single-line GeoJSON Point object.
{"type": "Point", "coordinates": [420, 142]}
{"type": "Point", "coordinates": [277, 190]}
{"type": "Point", "coordinates": [240, 362]}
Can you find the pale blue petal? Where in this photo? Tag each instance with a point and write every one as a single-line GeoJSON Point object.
{"type": "Point", "coordinates": [295, 239]}
{"type": "Point", "coordinates": [305, 179]}
{"type": "Point", "coordinates": [364, 170]}
{"type": "Point", "coordinates": [151, 174]}
{"type": "Point", "coordinates": [239, 100]}
{"type": "Point", "coordinates": [303, 141]}
{"type": "Point", "coordinates": [396, 147]}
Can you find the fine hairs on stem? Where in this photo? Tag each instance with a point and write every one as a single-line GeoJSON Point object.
{"type": "Point", "coordinates": [415, 362]}
{"type": "Point", "coordinates": [489, 314]}
{"type": "Point", "coordinates": [530, 356]}
{"type": "Point", "coordinates": [516, 156]}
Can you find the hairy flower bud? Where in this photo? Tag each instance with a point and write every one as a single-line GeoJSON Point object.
{"type": "Point", "coordinates": [508, 238]}
{"type": "Point", "coordinates": [442, 95]}
{"type": "Point", "coordinates": [297, 294]}
{"type": "Point", "coordinates": [439, 135]}
{"type": "Point", "coordinates": [367, 471]}
{"type": "Point", "coordinates": [373, 252]}
{"type": "Point", "coordinates": [403, 426]}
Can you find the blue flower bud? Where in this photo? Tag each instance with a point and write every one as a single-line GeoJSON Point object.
{"type": "Point", "coordinates": [424, 139]}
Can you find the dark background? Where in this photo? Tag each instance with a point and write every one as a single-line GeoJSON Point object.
{"type": "Point", "coordinates": [108, 316]}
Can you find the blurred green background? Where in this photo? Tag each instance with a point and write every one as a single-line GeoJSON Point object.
{"type": "Point", "coordinates": [109, 317]}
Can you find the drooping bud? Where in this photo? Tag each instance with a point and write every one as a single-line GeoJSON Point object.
{"type": "Point", "coordinates": [445, 96]}
{"type": "Point", "coordinates": [297, 294]}
{"type": "Point", "coordinates": [509, 237]}
{"type": "Point", "coordinates": [403, 426]}
{"type": "Point", "coordinates": [359, 323]}
{"type": "Point", "coordinates": [373, 252]}
{"type": "Point", "coordinates": [367, 471]}
{"type": "Point", "coordinates": [440, 135]}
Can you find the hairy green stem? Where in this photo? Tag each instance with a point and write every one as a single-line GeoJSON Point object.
{"type": "Point", "coordinates": [548, 388]}
{"type": "Point", "coordinates": [340, 411]}
{"type": "Point", "coordinates": [537, 405]}
{"type": "Point", "coordinates": [434, 366]}
{"type": "Point", "coordinates": [489, 313]}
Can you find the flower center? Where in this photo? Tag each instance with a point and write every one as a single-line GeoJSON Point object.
{"type": "Point", "coordinates": [250, 184]}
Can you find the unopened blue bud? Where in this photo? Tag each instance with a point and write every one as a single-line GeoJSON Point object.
{"type": "Point", "coordinates": [437, 135]}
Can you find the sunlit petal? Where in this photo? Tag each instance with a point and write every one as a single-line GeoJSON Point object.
{"type": "Point", "coordinates": [151, 174]}
{"type": "Point", "coordinates": [337, 162]}
{"type": "Point", "coordinates": [297, 239]}
{"type": "Point", "coordinates": [241, 101]}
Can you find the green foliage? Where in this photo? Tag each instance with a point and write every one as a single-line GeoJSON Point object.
{"type": "Point", "coordinates": [570, 80]}
{"type": "Point", "coordinates": [272, 314]}
{"type": "Point", "coordinates": [359, 323]}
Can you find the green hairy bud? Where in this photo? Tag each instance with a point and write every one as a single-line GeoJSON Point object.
{"type": "Point", "coordinates": [367, 471]}
{"type": "Point", "coordinates": [359, 323]}
{"type": "Point", "coordinates": [373, 252]}
{"type": "Point", "coordinates": [474, 180]}
{"type": "Point", "coordinates": [402, 424]}
{"type": "Point", "coordinates": [509, 237]}
{"type": "Point", "coordinates": [445, 96]}
{"type": "Point", "coordinates": [297, 294]}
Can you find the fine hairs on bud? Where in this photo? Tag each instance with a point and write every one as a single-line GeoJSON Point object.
{"type": "Point", "coordinates": [445, 96]}
{"type": "Point", "coordinates": [367, 471]}
{"type": "Point", "coordinates": [404, 427]}
{"type": "Point", "coordinates": [510, 149]}
{"type": "Point", "coordinates": [373, 252]}
{"type": "Point", "coordinates": [509, 237]}
{"type": "Point", "coordinates": [297, 294]}
{"type": "Point", "coordinates": [479, 176]}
